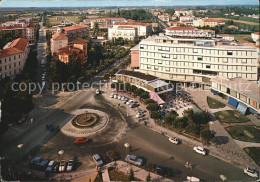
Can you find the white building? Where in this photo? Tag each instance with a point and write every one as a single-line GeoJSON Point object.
{"type": "Point", "coordinates": [142, 29]}
{"type": "Point", "coordinates": [196, 60]}
{"type": "Point", "coordinates": [183, 13]}
{"type": "Point", "coordinates": [13, 57]}
{"type": "Point", "coordinates": [256, 37]}
{"type": "Point", "coordinates": [226, 37]}
{"type": "Point", "coordinates": [189, 32]}
{"type": "Point", "coordinates": [207, 22]}
{"type": "Point", "coordinates": [58, 41]}
{"type": "Point", "coordinates": [188, 20]}
{"type": "Point", "coordinates": [103, 22]}
{"type": "Point", "coordinates": [164, 17]}
{"type": "Point", "coordinates": [125, 32]}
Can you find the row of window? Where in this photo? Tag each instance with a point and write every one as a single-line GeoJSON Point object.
{"type": "Point", "coordinates": [210, 60]}
{"type": "Point", "coordinates": [190, 71]}
{"type": "Point", "coordinates": [10, 59]}
{"type": "Point", "coordinates": [199, 50]}
{"type": "Point", "coordinates": [6, 67]}
{"type": "Point", "coordinates": [15, 71]}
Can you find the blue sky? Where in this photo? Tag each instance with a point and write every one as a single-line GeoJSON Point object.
{"type": "Point", "coordinates": [102, 3]}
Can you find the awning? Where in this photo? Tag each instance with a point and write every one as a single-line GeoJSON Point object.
{"type": "Point", "coordinates": [154, 96]}
{"type": "Point", "coordinates": [214, 91]}
{"type": "Point", "coordinates": [242, 108]}
{"type": "Point", "coordinates": [233, 102]}
{"type": "Point", "coordinates": [253, 111]}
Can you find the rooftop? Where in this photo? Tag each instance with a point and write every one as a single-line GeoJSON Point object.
{"type": "Point", "coordinates": [139, 75]}
{"type": "Point", "coordinates": [132, 23]}
{"type": "Point", "coordinates": [80, 41]}
{"type": "Point", "coordinates": [15, 47]}
{"type": "Point", "coordinates": [240, 85]}
{"type": "Point", "coordinates": [257, 33]}
{"type": "Point", "coordinates": [110, 18]}
{"type": "Point", "coordinates": [135, 48]}
{"type": "Point", "coordinates": [69, 50]}
{"type": "Point", "coordinates": [182, 28]}
{"type": "Point", "coordinates": [75, 27]}
{"type": "Point", "coordinates": [212, 20]}
{"type": "Point", "coordinates": [59, 36]}
{"type": "Point", "coordinates": [30, 25]}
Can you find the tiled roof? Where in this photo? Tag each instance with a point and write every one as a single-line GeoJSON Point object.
{"type": "Point", "coordinates": [69, 50]}
{"type": "Point", "coordinates": [132, 23]}
{"type": "Point", "coordinates": [17, 46]}
{"type": "Point", "coordinates": [257, 33]}
{"type": "Point", "coordinates": [113, 18]}
{"type": "Point", "coordinates": [137, 75]}
{"type": "Point", "coordinates": [74, 27]}
{"type": "Point", "coordinates": [181, 28]}
{"type": "Point", "coordinates": [31, 25]}
{"type": "Point", "coordinates": [80, 41]}
{"type": "Point", "coordinates": [59, 36]}
{"type": "Point", "coordinates": [225, 35]}
{"type": "Point", "coordinates": [212, 20]}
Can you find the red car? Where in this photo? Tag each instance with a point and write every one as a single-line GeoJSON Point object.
{"type": "Point", "coordinates": [81, 140]}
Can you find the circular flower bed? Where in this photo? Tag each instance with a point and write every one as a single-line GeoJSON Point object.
{"type": "Point", "coordinates": [85, 120]}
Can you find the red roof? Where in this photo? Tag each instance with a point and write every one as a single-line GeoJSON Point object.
{"type": "Point", "coordinates": [225, 35]}
{"type": "Point", "coordinates": [17, 46]}
{"type": "Point", "coordinates": [30, 25]}
{"type": "Point", "coordinates": [69, 50]}
{"type": "Point", "coordinates": [212, 20]}
{"type": "Point", "coordinates": [257, 33]}
{"type": "Point", "coordinates": [74, 27]}
{"type": "Point", "coordinates": [59, 36]}
{"type": "Point", "coordinates": [132, 23]}
{"type": "Point", "coordinates": [80, 41]}
{"type": "Point", "coordinates": [181, 28]}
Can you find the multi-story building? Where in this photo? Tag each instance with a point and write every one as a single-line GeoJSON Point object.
{"type": "Point", "coordinates": [125, 32]}
{"type": "Point", "coordinates": [210, 22]}
{"type": "Point", "coordinates": [164, 17]}
{"type": "Point", "coordinates": [255, 37]}
{"type": "Point", "coordinates": [77, 47]}
{"type": "Point", "coordinates": [226, 37]}
{"type": "Point", "coordinates": [21, 29]}
{"type": "Point", "coordinates": [103, 22]}
{"type": "Point", "coordinates": [188, 20]}
{"type": "Point", "coordinates": [183, 13]}
{"type": "Point", "coordinates": [76, 31]}
{"type": "Point", "coordinates": [243, 94]}
{"type": "Point", "coordinates": [175, 23]}
{"type": "Point", "coordinates": [196, 60]}
{"type": "Point", "coordinates": [13, 57]}
{"type": "Point", "coordinates": [143, 29]}
{"type": "Point", "coordinates": [135, 57]}
{"type": "Point", "coordinates": [58, 41]}
{"type": "Point", "coordinates": [189, 32]}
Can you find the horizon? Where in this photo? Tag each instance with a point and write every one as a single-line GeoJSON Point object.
{"type": "Point", "coordinates": [117, 3]}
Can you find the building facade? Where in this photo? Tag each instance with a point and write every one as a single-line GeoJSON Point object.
{"type": "Point", "coordinates": [196, 60]}
{"type": "Point", "coordinates": [76, 31]}
{"type": "Point", "coordinates": [13, 57]}
{"type": "Point", "coordinates": [103, 22]}
{"type": "Point", "coordinates": [58, 41]}
{"type": "Point", "coordinates": [210, 22]}
{"type": "Point", "coordinates": [125, 32]}
{"type": "Point", "coordinates": [189, 32]}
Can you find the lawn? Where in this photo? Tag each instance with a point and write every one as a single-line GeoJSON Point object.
{"type": "Point", "coordinates": [245, 133]}
{"type": "Point", "coordinates": [116, 175]}
{"type": "Point", "coordinates": [74, 19]}
{"type": "Point", "coordinates": [238, 21]}
{"type": "Point", "coordinates": [254, 153]}
{"type": "Point", "coordinates": [242, 37]}
{"type": "Point", "coordinates": [214, 104]}
{"type": "Point", "coordinates": [231, 116]}
{"type": "Point", "coordinates": [53, 20]}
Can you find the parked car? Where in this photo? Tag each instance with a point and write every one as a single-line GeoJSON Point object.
{"type": "Point", "coordinates": [115, 96]}
{"type": "Point", "coordinates": [70, 165]}
{"type": "Point", "coordinates": [97, 159]}
{"type": "Point", "coordinates": [129, 102]}
{"type": "Point", "coordinates": [62, 166]}
{"type": "Point", "coordinates": [134, 105]}
{"type": "Point", "coordinates": [39, 162]}
{"type": "Point", "coordinates": [125, 100]}
{"type": "Point", "coordinates": [112, 95]}
{"type": "Point", "coordinates": [140, 115]}
{"type": "Point", "coordinates": [200, 150]}
{"type": "Point", "coordinates": [49, 127]}
{"type": "Point", "coordinates": [36, 160]}
{"type": "Point", "coordinates": [163, 171]}
{"type": "Point", "coordinates": [56, 167]}
{"type": "Point", "coordinates": [98, 91]}
{"type": "Point", "coordinates": [123, 97]}
{"type": "Point", "coordinates": [174, 140]}
{"type": "Point", "coordinates": [51, 166]}
{"type": "Point", "coordinates": [80, 140]}
{"type": "Point", "coordinates": [251, 172]}
{"type": "Point", "coordinates": [119, 97]}
{"type": "Point", "coordinates": [134, 160]}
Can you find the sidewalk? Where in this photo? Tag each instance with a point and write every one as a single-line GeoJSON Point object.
{"type": "Point", "coordinates": [75, 175]}
{"type": "Point", "coordinates": [228, 151]}
{"type": "Point", "coordinates": [125, 168]}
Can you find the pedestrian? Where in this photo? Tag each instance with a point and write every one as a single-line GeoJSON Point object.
{"type": "Point", "coordinates": [32, 121]}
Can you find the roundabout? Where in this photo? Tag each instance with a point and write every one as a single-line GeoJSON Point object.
{"type": "Point", "coordinates": [85, 122]}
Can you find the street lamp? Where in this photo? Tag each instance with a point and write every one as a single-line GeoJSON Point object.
{"type": "Point", "coordinates": [20, 146]}
{"type": "Point", "coordinates": [61, 152]}
{"type": "Point", "coordinates": [126, 146]}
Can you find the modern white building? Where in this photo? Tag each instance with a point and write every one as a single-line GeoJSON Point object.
{"type": "Point", "coordinates": [196, 60]}
{"type": "Point", "coordinates": [125, 32]}
{"type": "Point", "coordinates": [256, 37]}
{"type": "Point", "coordinates": [183, 13]}
{"type": "Point", "coordinates": [226, 37]}
{"type": "Point", "coordinates": [189, 32]}
{"type": "Point", "coordinates": [210, 22]}
{"type": "Point", "coordinates": [108, 22]}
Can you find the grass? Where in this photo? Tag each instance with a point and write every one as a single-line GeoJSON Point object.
{"type": "Point", "coordinates": [245, 133]}
{"type": "Point", "coordinates": [214, 104]}
{"type": "Point", "coordinates": [53, 20]}
{"type": "Point", "coordinates": [116, 175]}
{"type": "Point", "coordinates": [231, 116]}
{"type": "Point", "coordinates": [242, 37]}
{"type": "Point", "coordinates": [254, 153]}
{"type": "Point", "coordinates": [75, 19]}
{"type": "Point", "coordinates": [238, 21]}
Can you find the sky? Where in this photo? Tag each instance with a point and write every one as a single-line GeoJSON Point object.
{"type": "Point", "coordinates": [106, 3]}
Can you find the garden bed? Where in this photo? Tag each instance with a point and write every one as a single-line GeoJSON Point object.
{"type": "Point", "coordinates": [214, 104]}
{"type": "Point", "coordinates": [245, 133]}
{"type": "Point", "coordinates": [254, 153]}
{"type": "Point", "coordinates": [231, 116]}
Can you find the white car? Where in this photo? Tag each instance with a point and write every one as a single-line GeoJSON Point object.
{"type": "Point", "coordinates": [70, 165]}
{"type": "Point", "coordinates": [134, 160]}
{"type": "Point", "coordinates": [174, 140]}
{"type": "Point", "coordinates": [122, 98]}
{"type": "Point", "coordinates": [115, 96]}
{"type": "Point", "coordinates": [199, 150]}
{"type": "Point", "coordinates": [139, 115]}
{"type": "Point", "coordinates": [98, 91]}
{"type": "Point", "coordinates": [62, 166]}
{"type": "Point", "coordinates": [119, 97]}
{"type": "Point", "coordinates": [251, 172]}
{"type": "Point", "coordinates": [111, 95]}
{"type": "Point", "coordinates": [97, 160]}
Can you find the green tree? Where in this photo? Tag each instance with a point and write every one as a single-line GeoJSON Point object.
{"type": "Point", "coordinates": [152, 107]}
{"type": "Point", "coordinates": [155, 114]}
{"type": "Point", "coordinates": [131, 176]}
{"type": "Point", "coordinates": [148, 177]}
{"type": "Point", "coordinates": [206, 135]}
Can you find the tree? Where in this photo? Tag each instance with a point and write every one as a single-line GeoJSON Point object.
{"type": "Point", "coordinates": [148, 101]}
{"type": "Point", "coordinates": [148, 177]}
{"type": "Point", "coordinates": [188, 113]}
{"type": "Point", "coordinates": [168, 119]}
{"type": "Point", "coordinates": [155, 115]}
{"type": "Point", "coordinates": [206, 135]}
{"type": "Point", "coordinates": [152, 107]}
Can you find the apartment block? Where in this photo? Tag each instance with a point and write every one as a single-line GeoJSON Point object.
{"type": "Point", "coordinates": [58, 41]}
{"type": "Point", "coordinates": [125, 32]}
{"type": "Point", "coordinates": [210, 22]}
{"type": "Point", "coordinates": [196, 60]}
{"type": "Point", "coordinates": [76, 31]}
{"type": "Point", "coordinates": [13, 57]}
{"type": "Point", "coordinates": [21, 29]}
{"type": "Point", "coordinates": [103, 22]}
{"type": "Point", "coordinates": [189, 32]}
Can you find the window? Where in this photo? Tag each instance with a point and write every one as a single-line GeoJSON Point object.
{"type": "Point", "coordinates": [230, 53]}
{"type": "Point", "coordinates": [159, 61]}
{"type": "Point", "coordinates": [244, 61]}
{"type": "Point", "coordinates": [174, 56]}
{"type": "Point", "coordinates": [165, 56]}
{"type": "Point", "coordinates": [195, 50]}
{"type": "Point", "coordinates": [207, 66]}
{"type": "Point", "coordinates": [200, 58]}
